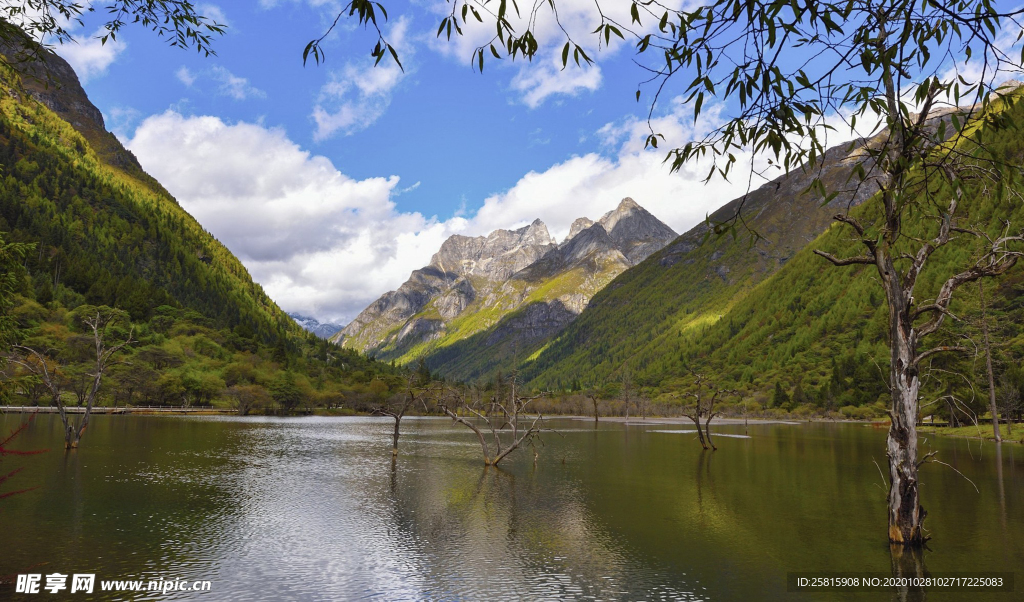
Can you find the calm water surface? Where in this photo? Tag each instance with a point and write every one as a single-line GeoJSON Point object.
{"type": "Point", "coordinates": [314, 509]}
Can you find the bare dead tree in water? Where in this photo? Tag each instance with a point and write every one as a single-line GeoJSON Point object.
{"type": "Point", "coordinates": [46, 370]}
{"type": "Point", "coordinates": [704, 398]}
{"type": "Point", "coordinates": [398, 405]}
{"type": "Point", "coordinates": [502, 421]}
{"type": "Point", "coordinates": [593, 399]}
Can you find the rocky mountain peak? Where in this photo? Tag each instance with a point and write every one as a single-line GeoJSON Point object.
{"type": "Point", "coordinates": [496, 256]}
{"type": "Point", "coordinates": [536, 233]}
{"type": "Point", "coordinates": [635, 231]}
{"type": "Point", "coordinates": [581, 224]}
{"type": "Point", "coordinates": [626, 204]}
{"type": "Point", "coordinates": [502, 273]}
{"type": "Point", "coordinates": [321, 329]}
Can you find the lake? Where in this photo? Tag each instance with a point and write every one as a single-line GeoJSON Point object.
{"type": "Point", "coordinates": [314, 509]}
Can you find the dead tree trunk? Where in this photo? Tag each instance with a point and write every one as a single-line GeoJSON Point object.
{"type": "Point", "coordinates": [907, 145]}
{"type": "Point", "coordinates": [695, 417]}
{"type": "Point", "coordinates": [988, 365]}
{"type": "Point", "coordinates": [906, 514]}
{"type": "Point", "coordinates": [705, 397]}
{"type": "Point", "coordinates": [37, 364]}
{"type": "Point", "coordinates": [707, 430]}
{"type": "Point", "coordinates": [98, 324]}
{"type": "Point", "coordinates": [397, 411]}
{"type": "Point", "coordinates": [503, 418]}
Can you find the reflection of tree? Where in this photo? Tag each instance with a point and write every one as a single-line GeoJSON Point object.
{"type": "Point", "coordinates": [505, 530]}
{"type": "Point", "coordinates": [908, 561]}
{"type": "Point", "coordinates": [703, 466]}
{"type": "Point", "coordinates": [5, 450]}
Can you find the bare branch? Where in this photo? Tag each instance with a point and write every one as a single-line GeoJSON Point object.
{"type": "Point", "coordinates": [858, 260]}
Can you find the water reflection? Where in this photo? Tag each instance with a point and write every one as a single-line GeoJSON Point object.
{"type": "Point", "coordinates": [317, 509]}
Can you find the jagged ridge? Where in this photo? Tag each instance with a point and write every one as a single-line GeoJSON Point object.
{"type": "Point", "coordinates": [472, 283]}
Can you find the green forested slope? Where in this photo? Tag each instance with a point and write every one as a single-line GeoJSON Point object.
{"type": "Point", "coordinates": [641, 317]}
{"type": "Point", "coordinates": [104, 233]}
{"type": "Point", "coordinates": [815, 332]}
{"type": "Point", "coordinates": [108, 235]}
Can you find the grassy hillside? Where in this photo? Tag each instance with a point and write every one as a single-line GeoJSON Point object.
{"type": "Point", "coordinates": [815, 332]}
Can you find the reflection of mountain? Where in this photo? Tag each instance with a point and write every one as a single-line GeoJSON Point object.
{"type": "Point", "coordinates": [520, 532]}
{"type": "Point", "coordinates": [480, 297]}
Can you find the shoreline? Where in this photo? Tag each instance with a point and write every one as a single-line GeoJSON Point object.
{"type": "Point", "coordinates": [979, 433]}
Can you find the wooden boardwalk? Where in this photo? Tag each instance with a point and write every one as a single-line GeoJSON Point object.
{"type": "Point", "coordinates": [111, 410]}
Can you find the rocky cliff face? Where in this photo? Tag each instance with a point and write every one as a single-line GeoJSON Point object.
{"type": "Point", "coordinates": [474, 283]}
{"type": "Point", "coordinates": [50, 80]}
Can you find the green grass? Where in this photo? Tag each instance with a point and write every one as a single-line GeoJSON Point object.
{"type": "Point", "coordinates": [983, 430]}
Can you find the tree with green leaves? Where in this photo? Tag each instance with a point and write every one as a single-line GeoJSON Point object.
{"type": "Point", "coordinates": [11, 274]}
{"type": "Point", "coordinates": [780, 399]}
{"type": "Point", "coordinates": [919, 74]}
{"type": "Point", "coordinates": [286, 392]}
{"type": "Point", "coordinates": [49, 22]}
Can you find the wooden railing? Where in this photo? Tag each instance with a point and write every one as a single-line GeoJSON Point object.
{"type": "Point", "coordinates": [111, 409]}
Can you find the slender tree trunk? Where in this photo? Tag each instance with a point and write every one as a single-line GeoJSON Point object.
{"type": "Point", "coordinates": [68, 428]}
{"type": "Point", "coordinates": [394, 437]}
{"type": "Point", "coordinates": [906, 515]}
{"type": "Point", "coordinates": [707, 433]}
{"type": "Point", "coordinates": [700, 433]}
{"type": "Point", "coordinates": [88, 407]}
{"type": "Point", "coordinates": [988, 366]}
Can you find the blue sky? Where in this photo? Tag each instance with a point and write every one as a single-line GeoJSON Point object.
{"type": "Point", "coordinates": [333, 182]}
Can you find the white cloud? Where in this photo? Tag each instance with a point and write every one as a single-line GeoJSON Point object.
{"type": "Point", "coordinates": [318, 241]}
{"type": "Point", "coordinates": [185, 76]}
{"type": "Point", "coordinates": [357, 95]}
{"type": "Point", "coordinates": [214, 13]}
{"type": "Point", "coordinates": [234, 86]}
{"type": "Point", "coordinates": [537, 82]}
{"type": "Point", "coordinates": [88, 56]}
{"type": "Point", "coordinates": [327, 245]}
{"type": "Point", "coordinates": [228, 84]}
{"type": "Point", "coordinates": [120, 120]}
{"type": "Point", "coordinates": [591, 184]}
